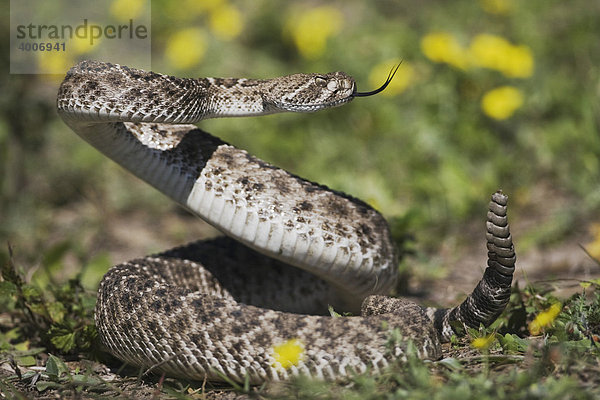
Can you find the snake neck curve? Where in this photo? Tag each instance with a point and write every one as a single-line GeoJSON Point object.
{"type": "Point", "coordinates": [113, 93]}
{"type": "Point", "coordinates": [142, 120]}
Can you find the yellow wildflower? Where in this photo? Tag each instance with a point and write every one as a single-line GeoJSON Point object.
{"type": "Point", "coordinates": [288, 353]}
{"type": "Point", "coordinates": [226, 21]}
{"type": "Point", "coordinates": [54, 62]}
{"type": "Point", "coordinates": [311, 29]}
{"type": "Point", "coordinates": [124, 10]}
{"type": "Point", "coordinates": [489, 50]}
{"type": "Point", "coordinates": [502, 102]}
{"type": "Point", "coordinates": [402, 79]}
{"type": "Point", "coordinates": [544, 319]}
{"type": "Point", "coordinates": [444, 47]}
{"type": "Point", "coordinates": [593, 248]}
{"type": "Point", "coordinates": [483, 342]}
{"type": "Point", "coordinates": [518, 63]}
{"type": "Point", "coordinates": [186, 48]}
{"type": "Point", "coordinates": [82, 45]}
{"type": "Point", "coordinates": [498, 7]}
{"type": "Point", "coordinates": [495, 52]}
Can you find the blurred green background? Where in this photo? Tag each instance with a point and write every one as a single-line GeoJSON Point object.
{"type": "Point", "coordinates": [490, 94]}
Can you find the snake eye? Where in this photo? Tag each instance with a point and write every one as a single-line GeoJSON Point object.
{"type": "Point", "coordinates": [332, 86]}
{"type": "Point", "coordinates": [320, 81]}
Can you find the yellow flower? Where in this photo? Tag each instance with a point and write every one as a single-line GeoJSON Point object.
{"type": "Point", "coordinates": [402, 79]}
{"type": "Point", "coordinates": [518, 63]}
{"type": "Point", "coordinates": [544, 319]}
{"type": "Point", "coordinates": [83, 45]}
{"type": "Point", "coordinates": [489, 50]}
{"type": "Point", "coordinates": [186, 48]}
{"type": "Point", "coordinates": [288, 353]}
{"type": "Point", "coordinates": [226, 21]}
{"type": "Point", "coordinates": [495, 52]}
{"type": "Point", "coordinates": [593, 248]}
{"type": "Point", "coordinates": [483, 342]}
{"type": "Point", "coordinates": [502, 102]}
{"type": "Point", "coordinates": [444, 47]}
{"type": "Point", "coordinates": [311, 29]}
{"type": "Point", "coordinates": [124, 10]}
{"type": "Point", "coordinates": [498, 7]}
{"type": "Point", "coordinates": [55, 63]}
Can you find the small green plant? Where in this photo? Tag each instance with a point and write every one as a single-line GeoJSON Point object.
{"type": "Point", "coordinates": [60, 318]}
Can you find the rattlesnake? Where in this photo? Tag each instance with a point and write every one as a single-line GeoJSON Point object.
{"type": "Point", "coordinates": [218, 309]}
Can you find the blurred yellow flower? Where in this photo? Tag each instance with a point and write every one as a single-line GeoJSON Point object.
{"type": "Point", "coordinates": [288, 353]}
{"type": "Point", "coordinates": [489, 50]}
{"type": "Point", "coordinates": [56, 63]}
{"type": "Point", "coordinates": [495, 52]}
{"type": "Point", "coordinates": [123, 10]}
{"type": "Point", "coordinates": [226, 21]}
{"type": "Point", "coordinates": [518, 63]}
{"type": "Point", "coordinates": [483, 342]}
{"type": "Point", "coordinates": [82, 45]}
{"type": "Point", "coordinates": [399, 83]}
{"type": "Point", "coordinates": [593, 248]}
{"type": "Point", "coordinates": [59, 62]}
{"type": "Point", "coordinates": [544, 319]}
{"type": "Point", "coordinates": [502, 102]}
{"type": "Point", "coordinates": [444, 47]}
{"type": "Point", "coordinates": [498, 7]}
{"type": "Point", "coordinates": [186, 48]}
{"type": "Point", "coordinates": [310, 29]}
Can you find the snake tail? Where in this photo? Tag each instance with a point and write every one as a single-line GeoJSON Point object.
{"type": "Point", "coordinates": [490, 297]}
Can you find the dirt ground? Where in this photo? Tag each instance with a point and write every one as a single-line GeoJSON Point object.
{"type": "Point", "coordinates": [462, 254]}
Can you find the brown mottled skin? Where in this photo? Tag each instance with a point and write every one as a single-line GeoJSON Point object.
{"type": "Point", "coordinates": [218, 308]}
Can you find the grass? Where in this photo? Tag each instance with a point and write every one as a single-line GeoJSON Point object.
{"type": "Point", "coordinates": [426, 157]}
{"type": "Point", "coordinates": [56, 328]}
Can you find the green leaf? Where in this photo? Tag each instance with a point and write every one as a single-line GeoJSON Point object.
{"type": "Point", "coordinates": [86, 380]}
{"type": "Point", "coordinates": [452, 363]}
{"type": "Point", "coordinates": [458, 327]}
{"type": "Point", "coordinates": [57, 311]}
{"type": "Point", "coordinates": [7, 289]}
{"type": "Point", "coordinates": [512, 343]}
{"type": "Point", "coordinates": [26, 361]}
{"type": "Point", "coordinates": [62, 339]}
{"type": "Point", "coordinates": [44, 385]}
{"type": "Point", "coordinates": [11, 334]}
{"type": "Point", "coordinates": [333, 313]}
{"type": "Point", "coordinates": [56, 368]}
{"type": "Point", "coordinates": [31, 294]}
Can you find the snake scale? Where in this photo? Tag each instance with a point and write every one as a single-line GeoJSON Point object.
{"type": "Point", "coordinates": [217, 309]}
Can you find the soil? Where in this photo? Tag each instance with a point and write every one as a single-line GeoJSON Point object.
{"type": "Point", "coordinates": [462, 256]}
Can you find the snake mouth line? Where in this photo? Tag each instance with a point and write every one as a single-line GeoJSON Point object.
{"type": "Point", "coordinates": [312, 107]}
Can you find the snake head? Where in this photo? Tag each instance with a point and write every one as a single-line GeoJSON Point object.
{"type": "Point", "coordinates": [308, 92]}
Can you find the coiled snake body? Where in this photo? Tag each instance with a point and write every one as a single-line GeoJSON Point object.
{"type": "Point", "coordinates": [219, 308]}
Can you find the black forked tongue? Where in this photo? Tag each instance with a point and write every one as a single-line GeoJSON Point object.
{"type": "Point", "coordinates": [382, 87]}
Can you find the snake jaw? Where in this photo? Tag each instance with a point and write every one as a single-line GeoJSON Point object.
{"type": "Point", "coordinates": [308, 92]}
{"type": "Point", "coordinates": [306, 108]}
